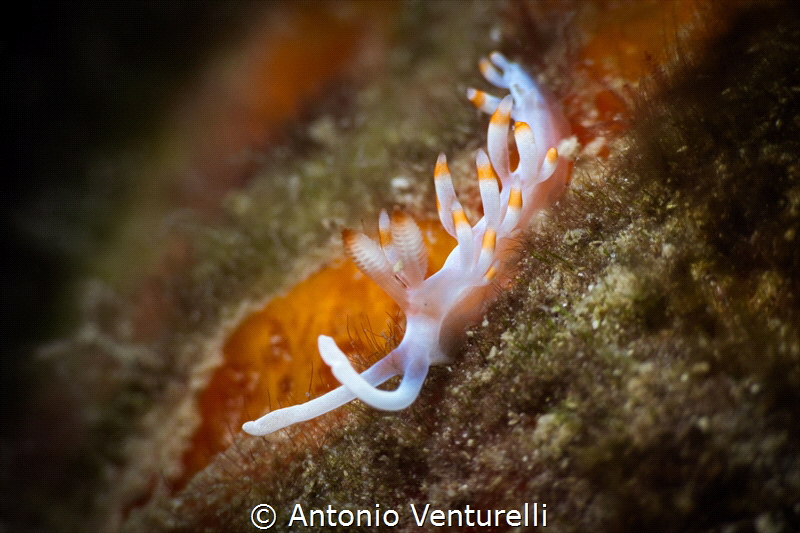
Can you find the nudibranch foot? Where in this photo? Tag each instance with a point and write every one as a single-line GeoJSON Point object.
{"type": "Point", "coordinates": [438, 309]}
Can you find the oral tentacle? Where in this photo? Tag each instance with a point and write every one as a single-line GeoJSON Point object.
{"type": "Point", "coordinates": [414, 370]}
{"type": "Point", "coordinates": [281, 418]}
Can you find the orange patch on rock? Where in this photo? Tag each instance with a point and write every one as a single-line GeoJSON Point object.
{"type": "Point", "coordinates": [631, 37]}
{"type": "Point", "coordinates": [626, 41]}
{"type": "Point", "coordinates": [271, 359]}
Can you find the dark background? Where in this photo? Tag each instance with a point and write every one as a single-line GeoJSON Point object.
{"type": "Point", "coordinates": [81, 82]}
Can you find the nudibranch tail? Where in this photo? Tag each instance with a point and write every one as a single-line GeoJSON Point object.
{"type": "Point", "coordinates": [439, 308]}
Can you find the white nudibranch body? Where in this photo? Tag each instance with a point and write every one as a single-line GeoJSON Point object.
{"type": "Point", "coordinates": [439, 309]}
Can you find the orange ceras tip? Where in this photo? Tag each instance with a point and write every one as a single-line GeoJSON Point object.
{"type": "Point", "coordinates": [435, 307]}
{"type": "Point", "coordinates": [441, 170]}
{"type": "Point", "coordinates": [522, 128]}
{"type": "Point", "coordinates": [460, 217]}
{"type": "Point", "coordinates": [478, 98]}
{"type": "Point", "coordinates": [515, 199]}
{"type": "Point", "coordinates": [489, 239]}
{"type": "Point", "coordinates": [501, 116]}
{"type": "Point", "coordinates": [482, 101]}
{"type": "Point", "coordinates": [492, 272]}
{"type": "Point", "coordinates": [485, 171]}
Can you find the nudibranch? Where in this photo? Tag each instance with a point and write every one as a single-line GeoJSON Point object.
{"type": "Point", "coordinates": [438, 309]}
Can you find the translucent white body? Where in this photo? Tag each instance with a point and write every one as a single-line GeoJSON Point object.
{"type": "Point", "coordinates": [439, 309]}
